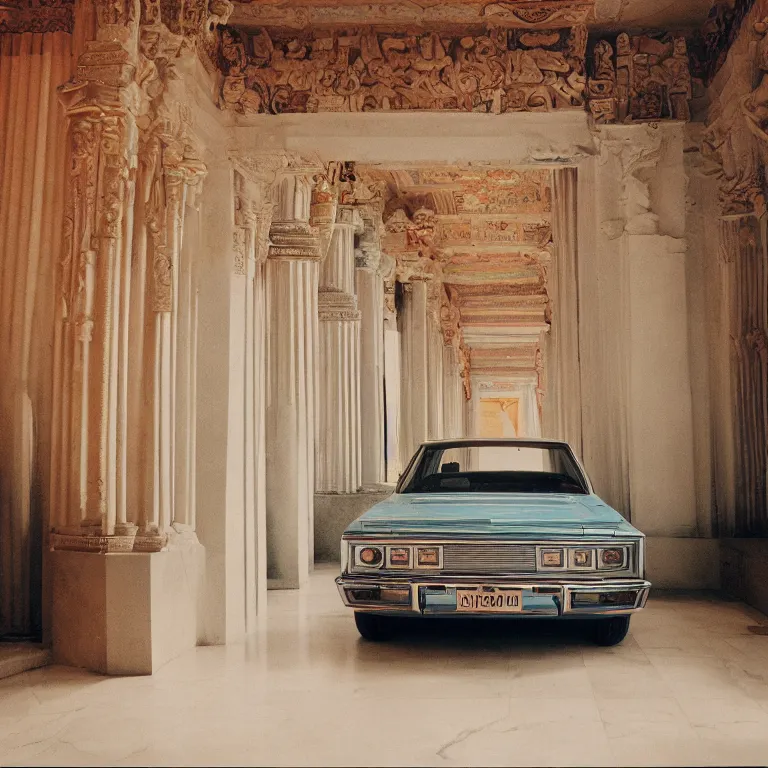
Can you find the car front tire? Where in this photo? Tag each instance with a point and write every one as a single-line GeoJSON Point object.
{"type": "Point", "coordinates": [372, 627]}
{"type": "Point", "coordinates": [611, 631]}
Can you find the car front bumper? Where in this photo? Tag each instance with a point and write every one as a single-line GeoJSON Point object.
{"type": "Point", "coordinates": [438, 597]}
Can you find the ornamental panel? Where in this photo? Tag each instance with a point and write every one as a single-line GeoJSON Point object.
{"type": "Point", "coordinates": [364, 69]}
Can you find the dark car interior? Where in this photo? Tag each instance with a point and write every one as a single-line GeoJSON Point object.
{"type": "Point", "coordinates": [451, 480]}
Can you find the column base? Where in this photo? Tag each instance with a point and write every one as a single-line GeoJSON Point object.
{"type": "Point", "coordinates": [125, 613]}
{"type": "Point", "coordinates": [334, 512]}
{"type": "Point", "coordinates": [744, 570]}
{"type": "Point", "coordinates": [682, 563]}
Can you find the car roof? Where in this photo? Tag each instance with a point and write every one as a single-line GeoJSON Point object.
{"type": "Point", "coordinates": [522, 441]}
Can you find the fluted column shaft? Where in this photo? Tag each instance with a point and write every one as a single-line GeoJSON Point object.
{"type": "Point", "coordinates": [292, 281]}
{"type": "Point", "coordinates": [392, 404]}
{"type": "Point", "coordinates": [453, 395]}
{"type": "Point", "coordinates": [435, 376]}
{"type": "Point", "coordinates": [414, 397]}
{"type": "Point", "coordinates": [337, 457]}
{"type": "Point", "coordinates": [370, 293]}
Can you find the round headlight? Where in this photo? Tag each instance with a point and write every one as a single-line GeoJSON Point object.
{"type": "Point", "coordinates": [612, 556]}
{"type": "Point", "coordinates": [370, 556]}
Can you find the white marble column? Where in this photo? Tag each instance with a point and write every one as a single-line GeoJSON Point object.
{"type": "Point", "coordinates": [370, 297]}
{"type": "Point", "coordinates": [414, 398]}
{"type": "Point", "coordinates": [453, 394]}
{"type": "Point", "coordinates": [337, 449]}
{"type": "Point", "coordinates": [561, 417]}
{"type": "Point", "coordinates": [292, 283]}
{"type": "Point", "coordinates": [435, 382]}
{"type": "Point", "coordinates": [392, 404]}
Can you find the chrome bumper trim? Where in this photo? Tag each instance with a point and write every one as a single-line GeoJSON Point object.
{"type": "Point", "coordinates": [561, 592]}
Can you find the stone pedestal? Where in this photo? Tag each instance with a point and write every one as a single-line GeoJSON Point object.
{"type": "Point", "coordinates": [125, 614]}
{"type": "Point", "coordinates": [292, 284]}
{"type": "Point", "coordinates": [337, 455]}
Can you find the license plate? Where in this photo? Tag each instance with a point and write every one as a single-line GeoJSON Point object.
{"type": "Point", "coordinates": [489, 600]}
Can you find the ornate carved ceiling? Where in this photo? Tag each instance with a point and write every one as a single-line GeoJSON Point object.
{"type": "Point", "coordinates": [490, 361]}
{"type": "Point", "coordinates": [483, 235]}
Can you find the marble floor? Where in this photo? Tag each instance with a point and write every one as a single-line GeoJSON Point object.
{"type": "Point", "coordinates": [688, 687]}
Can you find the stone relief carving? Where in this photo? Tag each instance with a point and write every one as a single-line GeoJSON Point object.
{"type": "Point", "coordinates": [730, 148]}
{"type": "Point", "coordinates": [324, 204]}
{"type": "Point", "coordinates": [507, 230]}
{"type": "Point", "coordinates": [131, 142]}
{"type": "Point", "coordinates": [362, 70]}
{"type": "Point", "coordinates": [645, 79]}
{"type": "Point", "coordinates": [253, 218]}
{"type": "Point", "coordinates": [37, 16]}
{"type": "Point", "coordinates": [755, 105]}
{"type": "Point", "coordinates": [709, 46]}
{"type": "Point", "coordinates": [734, 147]}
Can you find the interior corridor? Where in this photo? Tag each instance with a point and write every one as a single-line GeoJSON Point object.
{"type": "Point", "coordinates": [688, 687]}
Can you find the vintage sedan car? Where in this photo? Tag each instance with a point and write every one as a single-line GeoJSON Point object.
{"type": "Point", "coordinates": [493, 528]}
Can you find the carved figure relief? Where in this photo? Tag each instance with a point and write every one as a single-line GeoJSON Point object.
{"type": "Point", "coordinates": [647, 79]}
{"type": "Point", "coordinates": [755, 105]}
{"type": "Point", "coordinates": [362, 70]}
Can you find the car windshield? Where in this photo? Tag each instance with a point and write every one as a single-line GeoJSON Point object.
{"type": "Point", "coordinates": [492, 467]}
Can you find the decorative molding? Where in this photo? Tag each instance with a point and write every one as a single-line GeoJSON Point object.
{"type": "Point", "coordinates": [527, 14]}
{"type": "Point", "coordinates": [324, 204]}
{"type": "Point", "coordinates": [503, 70]}
{"type": "Point", "coordinates": [104, 545]}
{"type": "Point", "coordinates": [338, 306]}
{"type": "Point", "coordinates": [646, 79]}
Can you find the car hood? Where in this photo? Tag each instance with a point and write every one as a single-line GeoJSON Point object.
{"type": "Point", "coordinates": [509, 514]}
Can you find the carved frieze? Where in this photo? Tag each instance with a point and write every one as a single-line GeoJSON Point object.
{"type": "Point", "coordinates": [503, 70]}
{"type": "Point", "coordinates": [36, 16]}
{"type": "Point", "coordinates": [458, 231]}
{"type": "Point", "coordinates": [639, 78]}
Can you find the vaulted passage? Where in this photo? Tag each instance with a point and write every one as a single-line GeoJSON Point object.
{"type": "Point", "coordinates": [253, 254]}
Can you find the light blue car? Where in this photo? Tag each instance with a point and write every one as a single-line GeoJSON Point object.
{"type": "Point", "coordinates": [493, 527]}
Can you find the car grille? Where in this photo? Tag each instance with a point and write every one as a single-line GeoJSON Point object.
{"type": "Point", "coordinates": [489, 558]}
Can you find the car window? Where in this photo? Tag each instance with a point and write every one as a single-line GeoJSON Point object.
{"type": "Point", "coordinates": [485, 467]}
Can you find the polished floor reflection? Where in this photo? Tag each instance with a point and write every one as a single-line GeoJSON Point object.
{"type": "Point", "coordinates": [688, 687]}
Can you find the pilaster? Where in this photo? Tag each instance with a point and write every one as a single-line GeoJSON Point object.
{"type": "Point", "coordinates": [638, 422]}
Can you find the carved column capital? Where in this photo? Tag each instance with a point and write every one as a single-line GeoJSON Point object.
{"type": "Point", "coordinates": [349, 216]}
{"type": "Point", "coordinates": [291, 236]}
